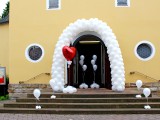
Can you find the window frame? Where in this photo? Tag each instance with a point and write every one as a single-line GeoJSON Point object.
{"type": "Point", "coordinates": [27, 53]}
{"type": "Point", "coordinates": [47, 6]}
{"type": "Point", "coordinates": [152, 50]}
{"type": "Point", "coordinates": [116, 4]}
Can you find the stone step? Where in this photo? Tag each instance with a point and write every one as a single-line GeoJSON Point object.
{"type": "Point", "coordinates": [88, 100]}
{"type": "Point", "coordinates": [61, 95]}
{"type": "Point", "coordinates": [79, 111]}
{"type": "Point", "coordinates": [82, 105]}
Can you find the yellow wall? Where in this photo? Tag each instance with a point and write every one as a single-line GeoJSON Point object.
{"type": "Point", "coordinates": [30, 22]}
{"type": "Point", "coordinates": [4, 46]}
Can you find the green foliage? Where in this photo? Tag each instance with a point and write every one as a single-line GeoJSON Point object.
{"type": "Point", "coordinates": [6, 10]}
{"type": "Point", "coordinates": [7, 79]}
{"type": "Point", "coordinates": [6, 97]}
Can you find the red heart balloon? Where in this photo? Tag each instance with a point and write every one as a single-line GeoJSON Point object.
{"type": "Point", "coordinates": [69, 52]}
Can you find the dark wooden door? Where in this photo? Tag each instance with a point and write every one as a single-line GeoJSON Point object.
{"type": "Point", "coordinates": [88, 49]}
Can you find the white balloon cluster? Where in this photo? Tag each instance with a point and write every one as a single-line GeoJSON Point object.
{"type": "Point", "coordinates": [94, 86]}
{"type": "Point", "coordinates": [84, 68]}
{"type": "Point", "coordinates": [56, 86]}
{"type": "Point", "coordinates": [81, 62]}
{"type": "Point", "coordinates": [83, 86]}
{"type": "Point", "coordinates": [107, 36]}
{"type": "Point", "coordinates": [69, 89]}
{"type": "Point", "coordinates": [93, 61]}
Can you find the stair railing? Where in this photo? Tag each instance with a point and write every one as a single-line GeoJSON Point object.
{"type": "Point", "coordinates": [146, 76]}
{"type": "Point", "coordinates": [33, 78]}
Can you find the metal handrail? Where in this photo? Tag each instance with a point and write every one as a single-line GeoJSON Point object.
{"type": "Point", "coordinates": [136, 72]}
{"type": "Point", "coordinates": [158, 81]}
{"type": "Point", "coordinates": [22, 82]}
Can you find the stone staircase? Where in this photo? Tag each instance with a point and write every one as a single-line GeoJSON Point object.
{"type": "Point", "coordinates": [84, 103]}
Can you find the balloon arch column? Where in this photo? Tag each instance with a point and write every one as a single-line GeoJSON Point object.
{"type": "Point", "coordinates": [69, 35]}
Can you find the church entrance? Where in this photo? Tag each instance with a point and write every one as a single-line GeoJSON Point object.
{"type": "Point", "coordinates": [89, 45]}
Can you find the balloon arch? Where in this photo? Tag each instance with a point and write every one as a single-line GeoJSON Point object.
{"type": "Point", "coordinates": [69, 35]}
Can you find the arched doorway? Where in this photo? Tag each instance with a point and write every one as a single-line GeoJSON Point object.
{"type": "Point", "coordinates": [89, 45]}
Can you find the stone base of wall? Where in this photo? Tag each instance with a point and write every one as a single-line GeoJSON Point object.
{"type": "Point", "coordinates": [21, 90]}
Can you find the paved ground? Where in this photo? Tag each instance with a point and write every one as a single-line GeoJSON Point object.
{"type": "Point", "coordinates": [77, 117]}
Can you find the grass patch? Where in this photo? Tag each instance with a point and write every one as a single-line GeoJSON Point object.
{"type": "Point", "coordinates": [5, 97]}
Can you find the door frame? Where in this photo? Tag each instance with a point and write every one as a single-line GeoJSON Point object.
{"type": "Point", "coordinates": [73, 73]}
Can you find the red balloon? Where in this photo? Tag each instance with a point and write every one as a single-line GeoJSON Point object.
{"type": "Point", "coordinates": [69, 52]}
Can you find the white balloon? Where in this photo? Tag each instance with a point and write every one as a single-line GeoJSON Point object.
{"type": "Point", "coordinates": [61, 88]}
{"type": "Point", "coordinates": [74, 90]}
{"type": "Point", "coordinates": [115, 83]}
{"type": "Point", "coordinates": [37, 107]}
{"type": "Point", "coordinates": [59, 76]}
{"type": "Point", "coordinates": [82, 57]}
{"type": "Point", "coordinates": [69, 89]}
{"type": "Point", "coordinates": [139, 84]}
{"type": "Point", "coordinates": [53, 97]}
{"type": "Point", "coordinates": [56, 88]}
{"type": "Point", "coordinates": [59, 84]}
{"type": "Point", "coordinates": [94, 67]}
{"type": "Point", "coordinates": [97, 86]}
{"type": "Point", "coordinates": [113, 88]}
{"type": "Point", "coordinates": [84, 67]}
{"type": "Point", "coordinates": [52, 82]}
{"type": "Point", "coordinates": [37, 93]}
{"type": "Point", "coordinates": [64, 90]}
{"type": "Point", "coordinates": [83, 85]}
{"type": "Point", "coordinates": [93, 62]}
{"type": "Point", "coordinates": [94, 57]}
{"type": "Point", "coordinates": [119, 80]}
{"type": "Point", "coordinates": [146, 92]}
{"type": "Point", "coordinates": [94, 86]}
{"type": "Point", "coordinates": [86, 86]}
{"type": "Point", "coordinates": [147, 107]}
{"type": "Point", "coordinates": [120, 88]}
{"type": "Point", "coordinates": [55, 72]}
{"type": "Point", "coordinates": [81, 62]}
{"type": "Point", "coordinates": [115, 76]}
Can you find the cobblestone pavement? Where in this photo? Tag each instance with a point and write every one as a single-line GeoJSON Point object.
{"type": "Point", "coordinates": [78, 117]}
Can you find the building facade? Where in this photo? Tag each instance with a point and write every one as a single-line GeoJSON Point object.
{"type": "Point", "coordinates": [4, 47]}
{"type": "Point", "coordinates": [35, 28]}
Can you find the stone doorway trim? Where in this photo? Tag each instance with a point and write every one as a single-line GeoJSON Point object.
{"type": "Point", "coordinates": [99, 29]}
